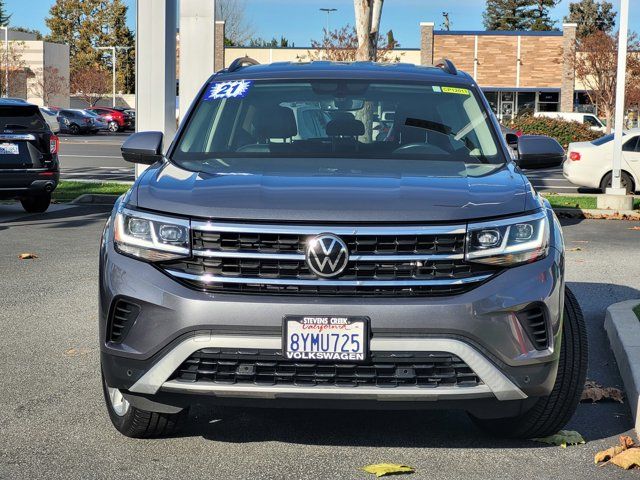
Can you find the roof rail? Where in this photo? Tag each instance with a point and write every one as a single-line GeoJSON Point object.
{"type": "Point", "coordinates": [240, 62]}
{"type": "Point", "coordinates": [446, 65]}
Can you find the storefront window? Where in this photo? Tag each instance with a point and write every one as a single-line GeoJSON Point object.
{"type": "Point", "coordinates": [548, 101]}
{"type": "Point", "coordinates": [526, 103]}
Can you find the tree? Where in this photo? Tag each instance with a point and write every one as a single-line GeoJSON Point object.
{"type": "Point", "coordinates": [238, 29]}
{"type": "Point", "coordinates": [12, 58]}
{"type": "Point", "coordinates": [273, 43]}
{"type": "Point", "coordinates": [49, 84]}
{"type": "Point", "coordinates": [341, 45]}
{"type": "Point", "coordinates": [4, 18]}
{"type": "Point", "coordinates": [596, 62]}
{"type": "Point", "coordinates": [91, 84]}
{"type": "Point", "coordinates": [368, 13]}
{"type": "Point", "coordinates": [591, 16]}
{"type": "Point", "coordinates": [539, 15]}
{"type": "Point", "coordinates": [33, 31]}
{"type": "Point", "coordinates": [85, 25]}
{"type": "Point", "coordinates": [507, 15]}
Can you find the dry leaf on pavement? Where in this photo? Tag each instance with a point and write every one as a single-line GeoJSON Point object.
{"type": "Point", "coordinates": [627, 459]}
{"type": "Point", "coordinates": [27, 256]}
{"type": "Point", "coordinates": [76, 352]}
{"type": "Point", "coordinates": [625, 443]}
{"type": "Point", "coordinates": [634, 228]}
{"type": "Point", "coordinates": [594, 392]}
{"type": "Point", "coordinates": [562, 438]}
{"type": "Point", "coordinates": [382, 469]}
{"type": "Point", "coordinates": [574, 249]}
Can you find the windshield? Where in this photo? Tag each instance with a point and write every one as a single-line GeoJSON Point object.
{"type": "Point", "coordinates": [353, 119]}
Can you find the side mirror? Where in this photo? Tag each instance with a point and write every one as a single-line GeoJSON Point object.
{"type": "Point", "coordinates": [143, 147]}
{"type": "Point", "coordinates": [512, 139]}
{"type": "Point", "coordinates": [538, 151]}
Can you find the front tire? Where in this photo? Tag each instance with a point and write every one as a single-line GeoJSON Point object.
{"type": "Point", "coordinates": [626, 182]}
{"type": "Point", "coordinates": [114, 127]}
{"type": "Point", "coordinates": [136, 423]}
{"type": "Point", "coordinates": [549, 414]}
{"type": "Point", "coordinates": [36, 204]}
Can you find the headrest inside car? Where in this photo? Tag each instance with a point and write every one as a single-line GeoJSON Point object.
{"type": "Point", "coordinates": [275, 122]}
{"type": "Point", "coordinates": [345, 127]}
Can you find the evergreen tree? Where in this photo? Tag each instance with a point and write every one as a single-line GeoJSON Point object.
{"type": "Point", "coordinates": [539, 15]}
{"type": "Point", "coordinates": [4, 18]}
{"type": "Point", "coordinates": [85, 25]}
{"type": "Point", "coordinates": [591, 16]}
{"type": "Point", "coordinates": [507, 14]}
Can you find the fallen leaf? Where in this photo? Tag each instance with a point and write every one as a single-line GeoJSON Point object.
{"type": "Point", "coordinates": [627, 459]}
{"type": "Point", "coordinates": [594, 392]}
{"type": "Point", "coordinates": [27, 256]}
{"type": "Point", "coordinates": [76, 352]}
{"type": "Point", "coordinates": [625, 443]}
{"type": "Point", "coordinates": [634, 228]}
{"type": "Point", "coordinates": [382, 469]}
{"type": "Point", "coordinates": [562, 438]}
{"type": "Point", "coordinates": [574, 249]}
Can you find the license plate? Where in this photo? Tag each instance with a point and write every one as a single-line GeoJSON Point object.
{"type": "Point", "coordinates": [325, 338]}
{"type": "Point", "coordinates": [9, 149]}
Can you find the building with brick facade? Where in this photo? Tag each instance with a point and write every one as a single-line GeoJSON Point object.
{"type": "Point", "coordinates": [519, 71]}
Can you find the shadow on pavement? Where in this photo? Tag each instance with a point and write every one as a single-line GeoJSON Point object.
{"type": "Point", "coordinates": [74, 216]}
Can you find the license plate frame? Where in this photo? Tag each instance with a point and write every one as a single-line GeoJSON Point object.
{"type": "Point", "coordinates": [337, 324]}
{"type": "Point", "coordinates": [8, 148]}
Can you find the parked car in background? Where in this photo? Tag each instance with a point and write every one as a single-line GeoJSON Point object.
{"type": "Point", "coordinates": [51, 117]}
{"type": "Point", "coordinates": [29, 169]}
{"type": "Point", "coordinates": [118, 121]}
{"type": "Point", "coordinates": [100, 124]}
{"type": "Point", "coordinates": [588, 164]}
{"type": "Point", "coordinates": [76, 122]}
{"type": "Point", "coordinates": [586, 118]}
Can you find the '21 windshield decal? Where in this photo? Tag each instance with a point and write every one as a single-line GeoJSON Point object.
{"type": "Point", "coordinates": [235, 89]}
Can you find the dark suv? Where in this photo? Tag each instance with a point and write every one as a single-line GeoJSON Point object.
{"type": "Point", "coordinates": [282, 252]}
{"type": "Point", "coordinates": [29, 168]}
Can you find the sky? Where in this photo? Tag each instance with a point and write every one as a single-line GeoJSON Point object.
{"type": "Point", "coordinates": [300, 20]}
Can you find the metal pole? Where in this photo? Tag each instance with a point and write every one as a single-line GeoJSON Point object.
{"type": "Point", "coordinates": [113, 53]}
{"type": "Point", "coordinates": [616, 187]}
{"type": "Point", "coordinates": [6, 52]}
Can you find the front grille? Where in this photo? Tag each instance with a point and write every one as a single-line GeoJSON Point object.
{"type": "Point", "coordinates": [534, 322]}
{"type": "Point", "coordinates": [123, 315]}
{"type": "Point", "coordinates": [383, 261]}
{"type": "Point", "coordinates": [383, 369]}
{"type": "Point", "coordinates": [357, 244]}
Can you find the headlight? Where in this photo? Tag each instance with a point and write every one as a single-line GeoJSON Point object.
{"type": "Point", "coordinates": [510, 241]}
{"type": "Point", "coordinates": [151, 237]}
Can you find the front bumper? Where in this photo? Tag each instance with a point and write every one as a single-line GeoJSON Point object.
{"type": "Point", "coordinates": [477, 326]}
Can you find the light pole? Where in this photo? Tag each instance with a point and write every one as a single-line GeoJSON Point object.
{"type": "Point", "coordinates": [620, 91]}
{"type": "Point", "coordinates": [114, 49]}
{"type": "Point", "coordinates": [328, 11]}
{"type": "Point", "coordinates": [6, 61]}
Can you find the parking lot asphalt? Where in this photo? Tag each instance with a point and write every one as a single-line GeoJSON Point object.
{"type": "Point", "coordinates": [53, 423]}
{"type": "Point", "coordinates": [97, 158]}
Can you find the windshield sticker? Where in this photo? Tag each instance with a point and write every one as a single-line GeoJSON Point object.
{"type": "Point", "coordinates": [456, 90]}
{"type": "Point", "coordinates": [236, 89]}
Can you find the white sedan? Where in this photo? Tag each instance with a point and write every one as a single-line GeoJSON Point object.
{"type": "Point", "coordinates": [588, 164]}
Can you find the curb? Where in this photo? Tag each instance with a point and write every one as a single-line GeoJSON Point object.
{"type": "Point", "coordinates": [96, 199]}
{"type": "Point", "coordinates": [623, 330]}
{"type": "Point", "coordinates": [598, 214]}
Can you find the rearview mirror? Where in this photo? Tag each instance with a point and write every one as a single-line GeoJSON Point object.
{"type": "Point", "coordinates": [538, 151]}
{"type": "Point", "coordinates": [143, 147]}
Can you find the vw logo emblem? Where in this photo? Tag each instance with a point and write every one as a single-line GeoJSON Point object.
{"type": "Point", "coordinates": [326, 255]}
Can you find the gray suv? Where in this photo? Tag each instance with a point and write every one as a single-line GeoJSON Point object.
{"type": "Point", "coordinates": [280, 256]}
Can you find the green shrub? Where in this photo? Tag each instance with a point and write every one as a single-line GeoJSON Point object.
{"type": "Point", "coordinates": [563, 131]}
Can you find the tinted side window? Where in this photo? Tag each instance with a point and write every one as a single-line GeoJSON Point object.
{"type": "Point", "coordinates": [630, 146]}
{"type": "Point", "coordinates": [591, 120]}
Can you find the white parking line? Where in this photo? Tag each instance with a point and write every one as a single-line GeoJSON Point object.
{"type": "Point", "coordinates": [91, 156]}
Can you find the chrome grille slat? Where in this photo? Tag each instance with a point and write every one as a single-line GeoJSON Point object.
{"type": "Point", "coordinates": [409, 260]}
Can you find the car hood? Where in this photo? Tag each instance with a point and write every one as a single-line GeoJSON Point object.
{"type": "Point", "coordinates": [357, 191]}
